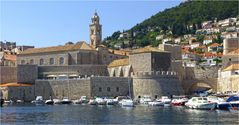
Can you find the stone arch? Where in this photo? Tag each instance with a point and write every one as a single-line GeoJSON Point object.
{"type": "Point", "coordinates": [120, 72]}
{"type": "Point", "coordinates": [128, 71]}
{"type": "Point", "coordinates": [112, 72]}
{"type": "Point", "coordinates": [199, 86]}
{"type": "Point", "coordinates": [200, 83]}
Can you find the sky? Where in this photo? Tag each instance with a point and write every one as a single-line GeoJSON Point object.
{"type": "Point", "coordinates": [43, 23]}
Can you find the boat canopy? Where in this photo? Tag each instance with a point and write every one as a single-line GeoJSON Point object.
{"type": "Point", "coordinates": [233, 98]}
{"type": "Point", "coordinates": [14, 85]}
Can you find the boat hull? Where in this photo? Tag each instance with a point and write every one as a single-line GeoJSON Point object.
{"type": "Point", "coordinates": [209, 106]}
{"type": "Point", "coordinates": [49, 102]}
{"type": "Point", "coordinates": [66, 102]}
{"type": "Point", "coordinates": [178, 104]}
{"type": "Point", "coordinates": [2, 101]}
{"type": "Point", "coordinates": [156, 104]}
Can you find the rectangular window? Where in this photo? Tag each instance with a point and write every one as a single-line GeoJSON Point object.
{"type": "Point", "coordinates": [100, 89]}
{"type": "Point", "coordinates": [108, 89]}
{"type": "Point", "coordinates": [117, 89]}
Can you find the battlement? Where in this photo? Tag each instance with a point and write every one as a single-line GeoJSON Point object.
{"type": "Point", "coordinates": [171, 74]}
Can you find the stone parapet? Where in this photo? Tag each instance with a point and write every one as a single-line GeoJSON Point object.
{"type": "Point", "coordinates": [164, 74]}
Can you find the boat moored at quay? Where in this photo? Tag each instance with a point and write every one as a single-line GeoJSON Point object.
{"type": "Point", "coordinates": [201, 103]}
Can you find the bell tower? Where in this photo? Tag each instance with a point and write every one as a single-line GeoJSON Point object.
{"type": "Point", "coordinates": [95, 31]}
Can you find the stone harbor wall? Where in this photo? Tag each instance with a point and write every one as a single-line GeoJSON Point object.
{"type": "Point", "coordinates": [143, 83]}
{"type": "Point", "coordinates": [110, 86]}
{"type": "Point", "coordinates": [25, 93]}
{"type": "Point", "coordinates": [73, 89]}
{"type": "Point", "coordinates": [156, 84]}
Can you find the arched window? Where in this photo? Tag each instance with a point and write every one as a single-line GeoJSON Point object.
{"type": "Point", "coordinates": [61, 61]}
{"type": "Point", "coordinates": [108, 89]}
{"type": "Point", "coordinates": [41, 61]}
{"type": "Point", "coordinates": [22, 61]}
{"type": "Point", "coordinates": [31, 61]}
{"type": "Point", "coordinates": [52, 61]}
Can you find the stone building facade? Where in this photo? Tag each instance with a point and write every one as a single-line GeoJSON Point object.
{"type": "Point", "coordinates": [230, 44]}
{"type": "Point", "coordinates": [77, 59]}
{"type": "Point", "coordinates": [228, 79]}
{"type": "Point", "coordinates": [151, 72]}
{"type": "Point", "coordinates": [8, 74]}
{"type": "Point", "coordinates": [150, 61]}
{"type": "Point", "coordinates": [75, 70]}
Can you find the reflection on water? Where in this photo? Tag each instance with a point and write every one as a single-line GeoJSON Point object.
{"type": "Point", "coordinates": [76, 114]}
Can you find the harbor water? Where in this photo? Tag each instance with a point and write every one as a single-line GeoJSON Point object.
{"type": "Point", "coordinates": [89, 114]}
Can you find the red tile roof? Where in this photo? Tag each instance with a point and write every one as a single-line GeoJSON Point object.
{"type": "Point", "coordinates": [235, 52]}
{"type": "Point", "coordinates": [214, 45]}
{"type": "Point", "coordinates": [71, 47]}
{"type": "Point", "coordinates": [10, 57]}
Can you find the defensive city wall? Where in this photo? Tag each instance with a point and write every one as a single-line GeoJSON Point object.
{"type": "Point", "coordinates": [90, 87]}
{"type": "Point", "coordinates": [156, 84]}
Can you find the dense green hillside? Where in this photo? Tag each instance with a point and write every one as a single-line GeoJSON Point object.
{"type": "Point", "coordinates": [175, 22]}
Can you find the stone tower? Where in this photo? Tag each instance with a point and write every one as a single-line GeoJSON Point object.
{"type": "Point", "coordinates": [95, 30]}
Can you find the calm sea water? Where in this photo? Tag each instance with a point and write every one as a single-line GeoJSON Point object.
{"type": "Point", "coordinates": [87, 114]}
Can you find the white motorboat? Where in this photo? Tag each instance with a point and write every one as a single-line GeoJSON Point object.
{"type": "Point", "coordinates": [19, 101]}
{"type": "Point", "coordinates": [179, 100]}
{"type": "Point", "coordinates": [145, 100]}
{"type": "Point", "coordinates": [100, 101]}
{"type": "Point", "coordinates": [49, 102]}
{"type": "Point", "coordinates": [120, 98]}
{"type": "Point", "coordinates": [66, 100]}
{"type": "Point", "coordinates": [110, 101]}
{"type": "Point", "coordinates": [200, 103]}
{"type": "Point", "coordinates": [165, 100]}
{"type": "Point", "coordinates": [92, 102]}
{"type": "Point", "coordinates": [8, 101]}
{"type": "Point", "coordinates": [84, 99]}
{"type": "Point", "coordinates": [38, 101]}
{"type": "Point", "coordinates": [127, 103]}
{"type": "Point", "coordinates": [57, 101]}
{"type": "Point", "coordinates": [156, 103]}
{"type": "Point", "coordinates": [78, 101]}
